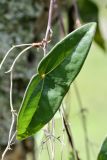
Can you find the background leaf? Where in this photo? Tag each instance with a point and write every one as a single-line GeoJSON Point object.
{"type": "Point", "coordinates": [103, 152]}
{"type": "Point", "coordinates": [56, 72]}
{"type": "Point", "coordinates": [89, 12]}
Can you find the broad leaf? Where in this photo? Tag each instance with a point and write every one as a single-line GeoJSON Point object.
{"type": "Point", "coordinates": [89, 12]}
{"type": "Point", "coordinates": [56, 72]}
{"type": "Point", "coordinates": [30, 102]}
{"type": "Point", "coordinates": [103, 152]}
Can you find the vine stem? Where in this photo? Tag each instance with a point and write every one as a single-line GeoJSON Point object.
{"type": "Point", "coordinates": [48, 36]}
{"type": "Point", "coordinates": [64, 116]}
{"type": "Point", "coordinates": [83, 119]}
{"type": "Point", "coordinates": [30, 45]}
{"type": "Point", "coordinates": [78, 96]}
{"type": "Point", "coordinates": [24, 50]}
{"type": "Point", "coordinates": [63, 129]}
{"type": "Point", "coordinates": [14, 114]}
{"type": "Point", "coordinates": [40, 44]}
{"type": "Point", "coordinates": [13, 47]}
{"type": "Point", "coordinates": [8, 146]}
{"type": "Point", "coordinates": [77, 17]}
{"type": "Point", "coordinates": [69, 134]}
{"type": "Point", "coordinates": [49, 29]}
{"type": "Point", "coordinates": [52, 142]}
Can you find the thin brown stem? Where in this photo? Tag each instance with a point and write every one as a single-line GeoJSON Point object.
{"type": "Point", "coordinates": [69, 135]}
{"type": "Point", "coordinates": [76, 14]}
{"type": "Point", "coordinates": [49, 29]}
{"type": "Point", "coordinates": [83, 119]}
{"type": "Point", "coordinates": [63, 130]}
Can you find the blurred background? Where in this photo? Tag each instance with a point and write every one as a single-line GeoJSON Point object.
{"type": "Point", "coordinates": [86, 102]}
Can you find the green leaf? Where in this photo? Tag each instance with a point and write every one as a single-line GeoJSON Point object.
{"type": "Point", "coordinates": [103, 152]}
{"type": "Point", "coordinates": [89, 12]}
{"type": "Point", "coordinates": [56, 72]}
{"type": "Point", "coordinates": [30, 102]}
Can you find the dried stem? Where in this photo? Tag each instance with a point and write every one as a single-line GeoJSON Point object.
{"type": "Point", "coordinates": [13, 112]}
{"type": "Point", "coordinates": [49, 29]}
{"type": "Point", "coordinates": [64, 117]}
{"type": "Point", "coordinates": [40, 44]}
{"type": "Point", "coordinates": [8, 147]}
{"type": "Point", "coordinates": [61, 23]}
{"type": "Point", "coordinates": [24, 50]}
{"type": "Point", "coordinates": [30, 45]}
{"type": "Point", "coordinates": [15, 46]}
{"type": "Point", "coordinates": [83, 118]}
{"type": "Point", "coordinates": [48, 151]}
{"type": "Point", "coordinates": [69, 135]}
{"type": "Point", "coordinates": [48, 36]}
{"type": "Point", "coordinates": [76, 14]}
{"type": "Point", "coordinates": [47, 147]}
{"type": "Point", "coordinates": [52, 139]}
{"type": "Point", "coordinates": [63, 137]}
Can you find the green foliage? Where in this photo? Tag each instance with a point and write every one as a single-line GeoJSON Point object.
{"type": "Point", "coordinates": [56, 72]}
{"type": "Point", "coordinates": [71, 156]}
{"type": "Point", "coordinates": [89, 12]}
{"type": "Point", "coordinates": [103, 152]}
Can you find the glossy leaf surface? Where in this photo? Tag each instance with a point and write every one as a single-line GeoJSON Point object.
{"type": "Point", "coordinates": [56, 72]}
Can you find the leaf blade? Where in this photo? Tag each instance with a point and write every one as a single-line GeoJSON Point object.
{"type": "Point", "coordinates": [58, 78]}
{"type": "Point", "coordinates": [29, 104]}
{"type": "Point", "coordinates": [62, 49]}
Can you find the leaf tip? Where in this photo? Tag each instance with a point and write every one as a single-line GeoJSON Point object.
{"type": "Point", "coordinates": [93, 25]}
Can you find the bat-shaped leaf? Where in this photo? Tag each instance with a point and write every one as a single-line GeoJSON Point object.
{"type": "Point", "coordinates": [56, 72]}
